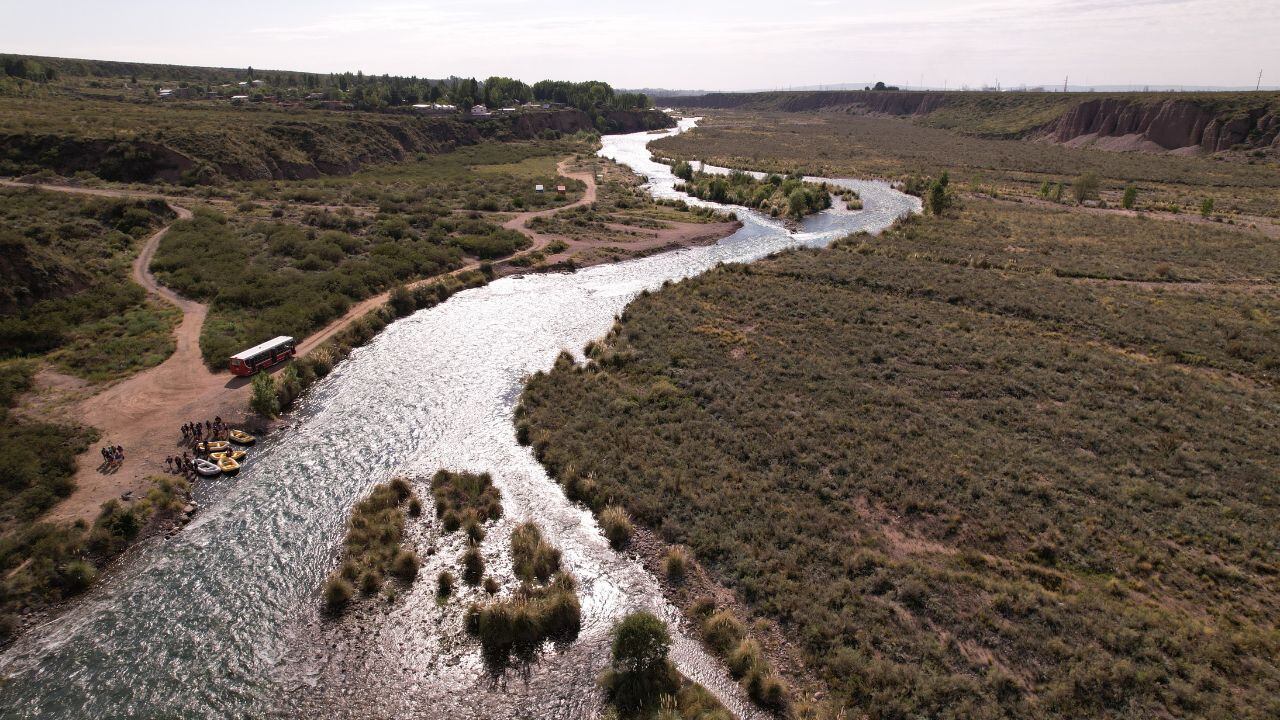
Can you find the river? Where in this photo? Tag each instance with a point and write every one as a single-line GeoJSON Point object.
{"type": "Point", "coordinates": [222, 619]}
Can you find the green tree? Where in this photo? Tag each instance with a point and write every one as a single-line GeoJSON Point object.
{"type": "Point", "coordinates": [1130, 197]}
{"type": "Point", "coordinates": [939, 198]}
{"type": "Point", "coordinates": [264, 400]}
{"type": "Point", "coordinates": [683, 170]}
{"type": "Point", "coordinates": [797, 203]}
{"type": "Point", "coordinates": [1085, 187]}
{"type": "Point", "coordinates": [1206, 207]}
{"type": "Point", "coordinates": [640, 672]}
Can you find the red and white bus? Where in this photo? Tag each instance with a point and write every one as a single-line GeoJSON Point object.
{"type": "Point", "coordinates": [260, 357]}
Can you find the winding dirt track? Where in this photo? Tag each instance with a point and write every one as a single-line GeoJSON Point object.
{"type": "Point", "coordinates": [145, 412]}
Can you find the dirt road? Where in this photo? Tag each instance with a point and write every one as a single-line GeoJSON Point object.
{"type": "Point", "coordinates": [145, 412]}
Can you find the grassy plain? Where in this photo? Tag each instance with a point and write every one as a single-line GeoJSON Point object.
{"type": "Point", "coordinates": [861, 146]}
{"type": "Point", "coordinates": [1015, 461]}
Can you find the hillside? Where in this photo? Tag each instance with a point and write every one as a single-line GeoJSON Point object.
{"type": "Point", "coordinates": [195, 143]}
{"type": "Point", "coordinates": [1212, 122]}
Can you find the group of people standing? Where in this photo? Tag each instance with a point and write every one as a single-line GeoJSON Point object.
{"type": "Point", "coordinates": [183, 464]}
{"type": "Point", "coordinates": [112, 455]}
{"type": "Point", "coordinates": [195, 431]}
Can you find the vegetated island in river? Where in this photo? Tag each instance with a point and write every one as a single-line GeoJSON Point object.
{"type": "Point", "coordinates": [790, 197]}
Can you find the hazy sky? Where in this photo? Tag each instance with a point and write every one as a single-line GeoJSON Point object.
{"type": "Point", "coordinates": [717, 44]}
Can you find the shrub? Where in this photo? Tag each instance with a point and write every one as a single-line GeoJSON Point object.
{"type": "Point", "coordinates": [406, 565]}
{"type": "Point", "coordinates": [617, 526]}
{"type": "Point", "coordinates": [640, 673]}
{"type": "Point", "coordinates": [1130, 197]}
{"type": "Point", "coordinates": [472, 565]}
{"type": "Point", "coordinates": [1085, 187]}
{"type": "Point", "coordinates": [1206, 207]}
{"type": "Point", "coordinates": [491, 586]}
{"type": "Point", "coordinates": [939, 198]}
{"type": "Point", "coordinates": [337, 593]}
{"type": "Point", "coordinates": [264, 400]}
{"type": "Point", "coordinates": [723, 631]}
{"type": "Point", "coordinates": [415, 506]}
{"type": "Point", "coordinates": [444, 583]}
{"type": "Point", "coordinates": [676, 564]}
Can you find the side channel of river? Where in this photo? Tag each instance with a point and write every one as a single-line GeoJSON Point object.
{"type": "Point", "coordinates": [221, 620]}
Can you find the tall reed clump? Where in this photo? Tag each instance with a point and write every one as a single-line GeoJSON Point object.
{"type": "Point", "coordinates": [545, 607]}
{"type": "Point", "coordinates": [373, 548]}
{"type": "Point", "coordinates": [726, 636]}
{"type": "Point", "coordinates": [617, 526]}
{"type": "Point", "coordinates": [465, 500]}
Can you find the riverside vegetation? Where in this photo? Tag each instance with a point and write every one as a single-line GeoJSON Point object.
{"type": "Point", "coordinates": [641, 682]}
{"type": "Point", "coordinates": [545, 607]}
{"type": "Point", "coordinates": [43, 563]}
{"type": "Point", "coordinates": [774, 194]}
{"type": "Point", "coordinates": [1003, 461]}
{"type": "Point", "coordinates": [374, 548]}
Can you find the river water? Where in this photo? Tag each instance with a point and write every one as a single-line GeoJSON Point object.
{"type": "Point", "coordinates": [222, 619]}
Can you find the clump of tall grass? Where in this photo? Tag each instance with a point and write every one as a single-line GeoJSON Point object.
{"type": "Point", "coordinates": [676, 564]}
{"type": "Point", "coordinates": [472, 566]}
{"type": "Point", "coordinates": [532, 558]}
{"type": "Point", "coordinates": [726, 636]}
{"type": "Point", "coordinates": [465, 500]}
{"type": "Point", "coordinates": [445, 583]}
{"type": "Point", "coordinates": [617, 526]}
{"type": "Point", "coordinates": [544, 607]}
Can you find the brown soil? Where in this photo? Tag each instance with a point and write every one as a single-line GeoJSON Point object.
{"type": "Point", "coordinates": [145, 412]}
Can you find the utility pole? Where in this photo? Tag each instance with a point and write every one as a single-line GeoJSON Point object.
{"type": "Point", "coordinates": [1064, 82]}
{"type": "Point", "coordinates": [1258, 87]}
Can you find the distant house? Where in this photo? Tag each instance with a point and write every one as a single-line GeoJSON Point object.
{"type": "Point", "coordinates": [239, 99]}
{"type": "Point", "coordinates": [538, 188]}
{"type": "Point", "coordinates": [255, 83]}
{"type": "Point", "coordinates": [560, 189]}
{"type": "Point", "coordinates": [184, 93]}
{"type": "Point", "coordinates": [434, 109]}
{"type": "Point", "coordinates": [479, 110]}
{"type": "Point", "coordinates": [507, 110]}
{"type": "Point", "coordinates": [314, 96]}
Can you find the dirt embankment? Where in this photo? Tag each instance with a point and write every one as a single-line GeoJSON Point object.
{"type": "Point", "coordinates": [292, 146]}
{"type": "Point", "coordinates": [1146, 122]}
{"type": "Point", "coordinates": [1116, 123]}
